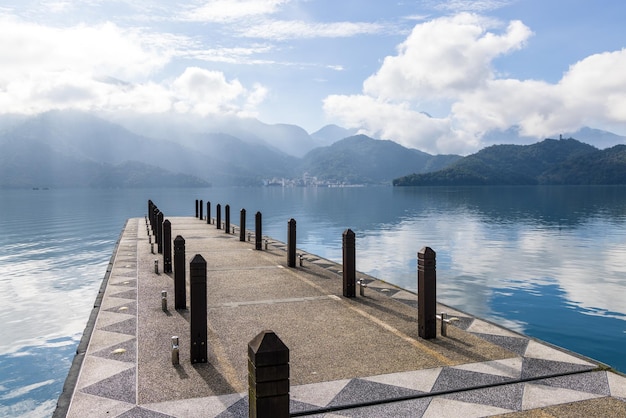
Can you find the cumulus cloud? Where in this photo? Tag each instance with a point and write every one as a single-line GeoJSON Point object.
{"type": "Point", "coordinates": [81, 67]}
{"type": "Point", "coordinates": [448, 64]}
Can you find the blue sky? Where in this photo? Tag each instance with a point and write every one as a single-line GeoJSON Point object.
{"type": "Point", "coordinates": [433, 75]}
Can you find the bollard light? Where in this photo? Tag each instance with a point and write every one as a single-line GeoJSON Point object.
{"type": "Point", "coordinates": [156, 266]}
{"type": "Point", "coordinates": [266, 241]}
{"type": "Point", "coordinates": [301, 256]}
{"type": "Point", "coordinates": [175, 354]}
{"type": "Point", "coordinates": [164, 300]}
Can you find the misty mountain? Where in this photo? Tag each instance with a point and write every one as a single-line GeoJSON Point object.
{"type": "Point", "coordinates": [596, 137]}
{"type": "Point", "coordinates": [284, 138]}
{"type": "Point", "coordinates": [551, 161]}
{"type": "Point", "coordinates": [361, 159]}
{"type": "Point", "coordinates": [330, 134]}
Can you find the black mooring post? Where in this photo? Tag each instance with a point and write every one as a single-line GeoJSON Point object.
{"type": "Point", "coordinates": [218, 216]}
{"type": "Point", "coordinates": [242, 225]}
{"type": "Point", "coordinates": [201, 206]}
{"type": "Point", "coordinates": [160, 233]}
{"type": "Point", "coordinates": [227, 219]}
{"type": "Point", "coordinates": [208, 212]}
{"type": "Point", "coordinates": [257, 231]}
{"type": "Point", "coordinates": [180, 289]}
{"type": "Point", "coordinates": [426, 293]}
{"type": "Point", "coordinates": [268, 377]}
{"type": "Point", "coordinates": [196, 208]}
{"type": "Point", "coordinates": [167, 246]}
{"type": "Point", "coordinates": [349, 264]}
{"type": "Point", "coordinates": [155, 213]}
{"type": "Point", "coordinates": [291, 243]}
{"type": "Point", "coordinates": [198, 315]}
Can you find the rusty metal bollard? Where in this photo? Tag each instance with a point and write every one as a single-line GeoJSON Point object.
{"type": "Point", "coordinates": [268, 377]}
{"type": "Point", "coordinates": [349, 264]}
{"type": "Point", "coordinates": [427, 293]}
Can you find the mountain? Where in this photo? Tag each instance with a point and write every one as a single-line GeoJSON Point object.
{"type": "Point", "coordinates": [548, 162]}
{"type": "Point", "coordinates": [361, 159]}
{"type": "Point", "coordinates": [607, 166]}
{"type": "Point", "coordinates": [330, 134]}
{"type": "Point", "coordinates": [72, 140]}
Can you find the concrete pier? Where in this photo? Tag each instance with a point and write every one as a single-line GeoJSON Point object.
{"type": "Point", "coordinates": [349, 357]}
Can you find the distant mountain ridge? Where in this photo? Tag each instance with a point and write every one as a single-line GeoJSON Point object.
{"type": "Point", "coordinates": [563, 161]}
{"type": "Point", "coordinates": [72, 148]}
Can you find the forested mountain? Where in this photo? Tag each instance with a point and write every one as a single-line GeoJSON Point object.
{"type": "Point", "coordinates": [565, 161]}
{"type": "Point", "coordinates": [361, 159]}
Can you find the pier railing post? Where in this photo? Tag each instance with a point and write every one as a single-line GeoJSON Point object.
{"type": "Point", "coordinates": [268, 377]}
{"type": "Point", "coordinates": [257, 231]}
{"type": "Point", "coordinates": [167, 246]}
{"type": "Point", "coordinates": [160, 232]}
{"type": "Point", "coordinates": [426, 293]}
{"type": "Point", "coordinates": [242, 225]}
{"type": "Point", "coordinates": [349, 264]}
{"type": "Point", "coordinates": [291, 243]}
{"type": "Point", "coordinates": [208, 212]}
{"type": "Point", "coordinates": [180, 289]}
{"type": "Point", "coordinates": [198, 308]}
{"type": "Point", "coordinates": [218, 216]}
{"type": "Point", "coordinates": [201, 206]}
{"type": "Point", "coordinates": [227, 219]}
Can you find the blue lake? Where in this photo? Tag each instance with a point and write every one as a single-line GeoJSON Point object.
{"type": "Point", "coordinates": [546, 261]}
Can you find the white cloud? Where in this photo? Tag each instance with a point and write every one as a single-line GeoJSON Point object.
{"type": "Point", "coordinates": [80, 67]}
{"type": "Point", "coordinates": [295, 29]}
{"type": "Point", "coordinates": [447, 64]}
{"type": "Point", "coordinates": [224, 11]}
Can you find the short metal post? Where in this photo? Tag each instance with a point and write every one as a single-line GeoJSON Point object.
{"type": "Point", "coordinates": [426, 293]}
{"type": "Point", "coordinates": [196, 208]}
{"type": "Point", "coordinates": [180, 289]}
{"type": "Point", "coordinates": [218, 222]}
{"type": "Point", "coordinates": [249, 234]}
{"type": "Point", "coordinates": [301, 257]}
{"type": "Point", "coordinates": [164, 300]}
{"type": "Point", "coordinates": [167, 246]}
{"type": "Point", "coordinates": [268, 377]}
{"type": "Point", "coordinates": [152, 247]}
{"type": "Point", "coordinates": [208, 212]}
{"type": "Point", "coordinates": [227, 219]}
{"type": "Point", "coordinates": [258, 231]}
{"type": "Point", "coordinates": [175, 351]}
{"type": "Point", "coordinates": [266, 241]}
{"type": "Point", "coordinates": [291, 243]}
{"type": "Point", "coordinates": [201, 206]}
{"type": "Point", "coordinates": [444, 324]}
{"type": "Point", "coordinates": [198, 315]}
{"type": "Point", "coordinates": [349, 264]}
{"type": "Point", "coordinates": [242, 225]}
{"type": "Point", "coordinates": [156, 266]}
{"type": "Point", "coordinates": [160, 233]}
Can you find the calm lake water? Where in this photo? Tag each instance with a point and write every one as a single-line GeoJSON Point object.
{"type": "Point", "coordinates": [546, 261]}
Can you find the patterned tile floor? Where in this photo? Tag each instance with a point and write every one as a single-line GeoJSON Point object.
{"type": "Point", "coordinates": [538, 378]}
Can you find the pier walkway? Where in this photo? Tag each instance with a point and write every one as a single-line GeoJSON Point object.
{"type": "Point", "coordinates": [349, 357]}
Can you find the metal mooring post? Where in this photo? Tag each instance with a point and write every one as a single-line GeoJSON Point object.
{"type": "Point", "coordinates": [218, 215]}
{"type": "Point", "coordinates": [164, 300]}
{"type": "Point", "coordinates": [208, 212]}
{"type": "Point", "coordinates": [180, 290]}
{"type": "Point", "coordinates": [196, 208]}
{"type": "Point", "coordinates": [291, 243]}
{"type": "Point", "coordinates": [268, 377]}
{"type": "Point", "coordinates": [201, 206]}
{"type": "Point", "coordinates": [242, 225]}
{"type": "Point", "coordinates": [426, 293]}
{"type": "Point", "coordinates": [227, 220]}
{"type": "Point", "coordinates": [160, 234]}
{"type": "Point", "coordinates": [198, 315]}
{"type": "Point", "coordinates": [167, 246]}
{"type": "Point", "coordinates": [349, 264]}
{"type": "Point", "coordinates": [258, 231]}
{"type": "Point", "coordinates": [175, 353]}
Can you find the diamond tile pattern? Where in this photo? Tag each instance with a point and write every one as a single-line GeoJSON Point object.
{"type": "Point", "coordinates": [539, 376]}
